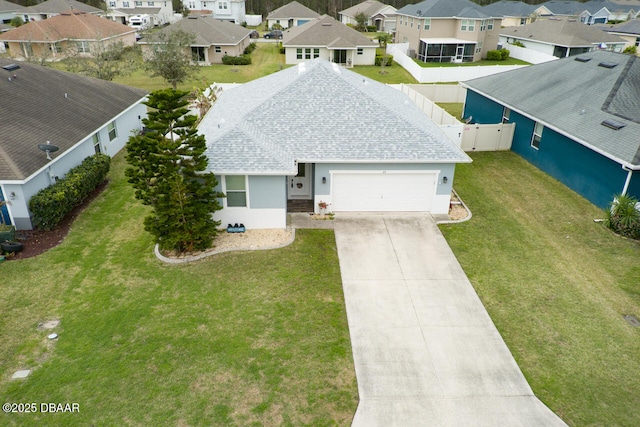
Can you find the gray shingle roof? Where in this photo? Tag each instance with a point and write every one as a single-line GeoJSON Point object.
{"type": "Point", "coordinates": [59, 6]}
{"type": "Point", "coordinates": [292, 10]}
{"type": "Point", "coordinates": [34, 110]}
{"type": "Point", "coordinates": [509, 8]}
{"type": "Point", "coordinates": [368, 7]}
{"type": "Point", "coordinates": [325, 31]}
{"type": "Point", "coordinates": [7, 6]}
{"type": "Point", "coordinates": [628, 27]}
{"type": "Point", "coordinates": [575, 97]}
{"type": "Point", "coordinates": [210, 31]}
{"type": "Point", "coordinates": [444, 9]}
{"type": "Point", "coordinates": [318, 112]}
{"type": "Point", "coordinates": [575, 7]}
{"type": "Point", "coordinates": [561, 31]}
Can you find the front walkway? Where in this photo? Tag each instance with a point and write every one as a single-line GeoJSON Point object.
{"type": "Point", "coordinates": [426, 352]}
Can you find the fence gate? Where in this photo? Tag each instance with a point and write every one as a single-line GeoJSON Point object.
{"type": "Point", "coordinates": [494, 137]}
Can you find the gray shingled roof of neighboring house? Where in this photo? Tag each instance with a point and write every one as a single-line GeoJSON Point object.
{"type": "Point", "coordinates": [319, 112]}
{"type": "Point", "coordinates": [629, 27]}
{"type": "Point", "coordinates": [561, 32]}
{"type": "Point", "coordinates": [574, 98]}
{"type": "Point", "coordinates": [209, 31]}
{"type": "Point", "coordinates": [325, 31]}
{"type": "Point", "coordinates": [574, 8]}
{"type": "Point", "coordinates": [509, 8]}
{"type": "Point", "coordinates": [444, 9]}
{"type": "Point", "coordinates": [7, 6]}
{"type": "Point", "coordinates": [292, 10]}
{"type": "Point", "coordinates": [594, 6]}
{"type": "Point", "coordinates": [59, 6]}
{"type": "Point", "coordinates": [44, 104]}
{"type": "Point", "coordinates": [369, 8]}
{"type": "Point", "coordinates": [139, 11]}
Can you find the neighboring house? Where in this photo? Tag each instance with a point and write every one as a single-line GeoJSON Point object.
{"type": "Point", "coordinates": [628, 31]}
{"type": "Point", "coordinates": [513, 13]}
{"type": "Point", "coordinates": [379, 15]}
{"type": "Point", "coordinates": [316, 133]}
{"type": "Point", "coordinates": [159, 12]}
{"type": "Point", "coordinates": [70, 31]}
{"type": "Point", "coordinates": [591, 12]}
{"type": "Point", "coordinates": [52, 8]}
{"type": "Point", "coordinates": [9, 10]}
{"type": "Point", "coordinates": [447, 30]}
{"type": "Point", "coordinates": [79, 115]}
{"type": "Point", "coordinates": [577, 119]}
{"type": "Point", "coordinates": [291, 15]}
{"type": "Point", "coordinates": [224, 10]}
{"type": "Point", "coordinates": [213, 39]}
{"type": "Point", "coordinates": [561, 37]}
{"type": "Point", "coordinates": [326, 38]}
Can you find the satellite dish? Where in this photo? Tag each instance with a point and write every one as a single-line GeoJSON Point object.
{"type": "Point", "coordinates": [48, 148]}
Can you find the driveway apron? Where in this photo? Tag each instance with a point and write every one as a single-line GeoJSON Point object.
{"type": "Point", "coordinates": [426, 352]}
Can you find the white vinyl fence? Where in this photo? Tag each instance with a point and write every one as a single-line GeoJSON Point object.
{"type": "Point", "coordinates": [443, 74]}
{"type": "Point", "coordinates": [528, 55]}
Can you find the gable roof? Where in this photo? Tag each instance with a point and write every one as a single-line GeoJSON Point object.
{"type": "Point", "coordinates": [319, 112]}
{"type": "Point", "coordinates": [444, 9]}
{"type": "Point", "coordinates": [209, 31]}
{"type": "Point", "coordinates": [325, 31]}
{"type": "Point", "coordinates": [627, 27]}
{"type": "Point", "coordinates": [7, 6]}
{"type": "Point", "coordinates": [574, 98]}
{"type": "Point", "coordinates": [292, 10]}
{"type": "Point", "coordinates": [59, 6]}
{"type": "Point", "coordinates": [560, 7]}
{"type": "Point", "coordinates": [43, 104]}
{"type": "Point", "coordinates": [562, 32]}
{"type": "Point", "coordinates": [70, 25]}
{"type": "Point", "coordinates": [510, 8]}
{"type": "Point", "coordinates": [368, 7]}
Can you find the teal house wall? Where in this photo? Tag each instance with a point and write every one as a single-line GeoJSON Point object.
{"type": "Point", "coordinates": [590, 174]}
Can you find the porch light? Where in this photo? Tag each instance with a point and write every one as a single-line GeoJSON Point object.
{"type": "Point", "coordinates": [324, 179]}
{"type": "Point", "coordinates": [444, 179]}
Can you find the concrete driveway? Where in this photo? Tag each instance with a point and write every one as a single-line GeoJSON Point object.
{"type": "Point", "coordinates": [426, 352]}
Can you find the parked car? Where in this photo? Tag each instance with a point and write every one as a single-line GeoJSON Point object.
{"type": "Point", "coordinates": [273, 34]}
{"type": "Point", "coordinates": [254, 34]}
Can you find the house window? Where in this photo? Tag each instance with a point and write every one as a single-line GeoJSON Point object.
{"type": "Point", "coordinates": [489, 24]}
{"type": "Point", "coordinates": [150, 3]}
{"type": "Point", "coordinates": [192, 5]}
{"type": "Point", "coordinates": [505, 115]}
{"type": "Point", "coordinates": [316, 52]}
{"type": "Point", "coordinates": [483, 25]}
{"type": "Point", "coordinates": [113, 132]}
{"type": "Point", "coordinates": [223, 5]}
{"type": "Point", "coordinates": [112, 4]}
{"type": "Point", "coordinates": [307, 53]}
{"type": "Point", "coordinates": [82, 46]}
{"type": "Point", "coordinates": [218, 49]}
{"type": "Point", "coordinates": [479, 47]}
{"type": "Point", "coordinates": [468, 25]}
{"type": "Point", "coordinates": [523, 21]}
{"type": "Point", "coordinates": [360, 51]}
{"type": "Point", "coordinates": [427, 24]}
{"type": "Point", "coordinates": [411, 23]}
{"type": "Point", "coordinates": [138, 3]}
{"type": "Point", "coordinates": [204, 4]}
{"type": "Point", "coordinates": [400, 21]}
{"type": "Point", "coordinates": [298, 53]}
{"type": "Point", "coordinates": [236, 191]}
{"type": "Point", "coordinates": [537, 135]}
{"type": "Point", "coordinates": [96, 143]}
{"type": "Point", "coordinates": [125, 4]}
{"type": "Point", "coordinates": [637, 41]}
{"type": "Point", "coordinates": [197, 53]}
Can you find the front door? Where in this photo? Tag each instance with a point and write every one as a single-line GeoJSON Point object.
{"type": "Point", "coordinates": [459, 52]}
{"type": "Point", "coordinates": [299, 186]}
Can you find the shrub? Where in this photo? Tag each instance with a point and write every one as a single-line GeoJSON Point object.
{"type": "Point", "coordinates": [250, 48]}
{"type": "Point", "coordinates": [630, 50]}
{"type": "Point", "coordinates": [236, 60]}
{"type": "Point", "coordinates": [498, 55]}
{"type": "Point", "coordinates": [623, 216]}
{"type": "Point", "coordinates": [379, 59]}
{"type": "Point", "coordinates": [517, 43]}
{"type": "Point", "coordinates": [371, 28]}
{"type": "Point", "coordinates": [50, 205]}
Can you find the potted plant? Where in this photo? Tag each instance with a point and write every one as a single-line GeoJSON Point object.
{"type": "Point", "coordinates": [323, 207]}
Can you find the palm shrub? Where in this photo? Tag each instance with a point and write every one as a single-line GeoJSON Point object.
{"type": "Point", "coordinates": [623, 216]}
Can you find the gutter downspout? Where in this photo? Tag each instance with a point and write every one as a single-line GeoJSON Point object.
{"type": "Point", "coordinates": [628, 180]}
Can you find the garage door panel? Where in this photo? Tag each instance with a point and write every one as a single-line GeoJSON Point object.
{"type": "Point", "coordinates": [395, 192]}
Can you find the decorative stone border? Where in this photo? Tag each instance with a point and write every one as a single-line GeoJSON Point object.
{"type": "Point", "coordinates": [456, 221]}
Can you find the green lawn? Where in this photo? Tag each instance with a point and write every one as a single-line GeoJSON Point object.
{"type": "Point", "coordinates": [453, 108]}
{"type": "Point", "coordinates": [557, 286]}
{"type": "Point", "coordinates": [238, 339]}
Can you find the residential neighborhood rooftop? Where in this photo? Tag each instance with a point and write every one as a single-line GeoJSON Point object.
{"type": "Point", "coordinates": [59, 6]}
{"type": "Point", "coordinates": [368, 7]}
{"type": "Point", "coordinates": [41, 104]}
{"type": "Point", "coordinates": [319, 112]}
{"type": "Point", "coordinates": [208, 30]}
{"type": "Point", "coordinates": [292, 10]}
{"type": "Point", "coordinates": [444, 9]}
{"type": "Point", "coordinates": [562, 32]}
{"type": "Point", "coordinates": [575, 96]}
{"type": "Point", "coordinates": [325, 31]}
{"type": "Point", "coordinates": [627, 27]}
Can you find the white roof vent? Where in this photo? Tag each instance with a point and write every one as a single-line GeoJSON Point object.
{"type": "Point", "coordinates": [302, 67]}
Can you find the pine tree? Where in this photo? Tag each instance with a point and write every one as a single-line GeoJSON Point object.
{"type": "Point", "coordinates": [167, 170]}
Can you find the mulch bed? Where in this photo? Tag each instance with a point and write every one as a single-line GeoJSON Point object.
{"type": "Point", "coordinates": [39, 241]}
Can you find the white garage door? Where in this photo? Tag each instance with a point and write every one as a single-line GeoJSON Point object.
{"type": "Point", "coordinates": [370, 191]}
